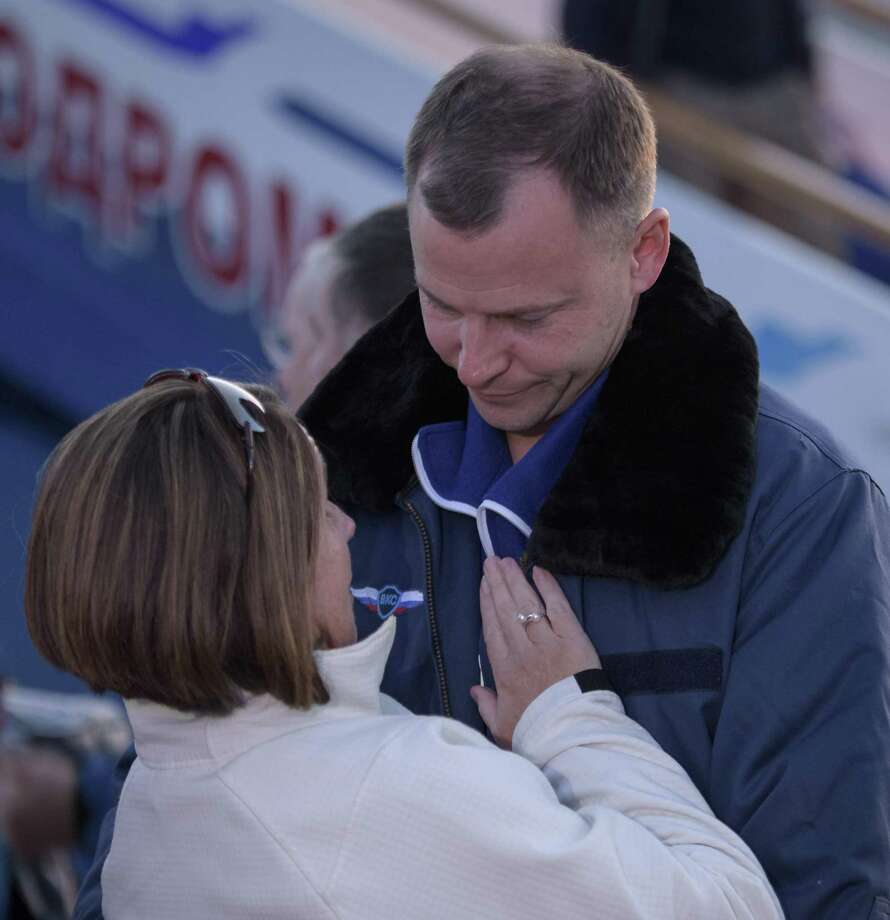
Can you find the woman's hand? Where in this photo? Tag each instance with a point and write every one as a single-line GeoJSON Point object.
{"type": "Point", "coordinates": [525, 659]}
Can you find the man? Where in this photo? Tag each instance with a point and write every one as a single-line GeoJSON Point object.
{"type": "Point", "coordinates": [344, 285]}
{"type": "Point", "coordinates": [564, 389]}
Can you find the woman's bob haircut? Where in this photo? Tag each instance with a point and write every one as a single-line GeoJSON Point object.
{"type": "Point", "coordinates": [145, 575]}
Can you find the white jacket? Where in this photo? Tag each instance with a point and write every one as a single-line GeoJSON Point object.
{"type": "Point", "coordinates": [357, 809]}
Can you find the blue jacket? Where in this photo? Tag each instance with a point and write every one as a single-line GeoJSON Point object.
{"type": "Point", "coordinates": [730, 563]}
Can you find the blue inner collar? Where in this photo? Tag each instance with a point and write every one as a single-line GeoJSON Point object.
{"type": "Point", "coordinates": [466, 467]}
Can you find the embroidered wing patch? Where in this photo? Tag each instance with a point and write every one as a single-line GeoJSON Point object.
{"type": "Point", "coordinates": [388, 600]}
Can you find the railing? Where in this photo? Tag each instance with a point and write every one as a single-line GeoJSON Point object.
{"type": "Point", "coordinates": [772, 172]}
{"type": "Point", "coordinates": [867, 10]}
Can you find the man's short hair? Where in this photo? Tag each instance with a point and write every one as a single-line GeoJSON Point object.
{"type": "Point", "coordinates": [375, 270]}
{"type": "Point", "coordinates": [145, 574]}
{"type": "Point", "coordinates": [508, 108]}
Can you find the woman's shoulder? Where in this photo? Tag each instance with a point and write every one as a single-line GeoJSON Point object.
{"type": "Point", "coordinates": [329, 741]}
{"type": "Point", "coordinates": [318, 776]}
{"type": "Point", "coordinates": [433, 759]}
{"type": "Point", "coordinates": [340, 752]}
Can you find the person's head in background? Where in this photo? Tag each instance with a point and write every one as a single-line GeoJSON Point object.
{"type": "Point", "coordinates": [162, 568]}
{"type": "Point", "coordinates": [344, 285]}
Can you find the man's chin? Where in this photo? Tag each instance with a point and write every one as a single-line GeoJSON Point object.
{"type": "Point", "coordinates": [511, 419]}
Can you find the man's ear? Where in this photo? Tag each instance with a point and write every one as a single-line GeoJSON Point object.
{"type": "Point", "coordinates": [650, 249]}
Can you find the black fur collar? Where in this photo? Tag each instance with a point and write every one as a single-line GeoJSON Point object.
{"type": "Point", "coordinates": [658, 485]}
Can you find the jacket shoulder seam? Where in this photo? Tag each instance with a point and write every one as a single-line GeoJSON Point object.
{"type": "Point", "coordinates": [812, 439]}
{"type": "Point", "coordinates": [319, 894]}
{"type": "Point", "coordinates": [390, 739]}
{"type": "Point", "coordinates": [842, 473]}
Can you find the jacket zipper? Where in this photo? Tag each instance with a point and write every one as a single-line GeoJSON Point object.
{"type": "Point", "coordinates": [438, 657]}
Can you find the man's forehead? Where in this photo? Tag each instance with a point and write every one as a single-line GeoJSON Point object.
{"type": "Point", "coordinates": [498, 260]}
{"type": "Point", "coordinates": [320, 255]}
{"type": "Point", "coordinates": [537, 222]}
{"type": "Point", "coordinates": [496, 276]}
{"type": "Point", "coordinates": [310, 285]}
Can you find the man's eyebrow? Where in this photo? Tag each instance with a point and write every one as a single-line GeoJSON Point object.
{"type": "Point", "coordinates": [436, 300]}
{"type": "Point", "coordinates": [515, 311]}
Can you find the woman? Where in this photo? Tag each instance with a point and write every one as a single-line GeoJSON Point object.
{"type": "Point", "coordinates": [183, 554]}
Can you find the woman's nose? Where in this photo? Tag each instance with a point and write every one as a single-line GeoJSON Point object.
{"type": "Point", "coordinates": [348, 525]}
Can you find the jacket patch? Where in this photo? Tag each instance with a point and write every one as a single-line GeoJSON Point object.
{"type": "Point", "coordinates": [388, 600]}
{"type": "Point", "coordinates": [670, 671]}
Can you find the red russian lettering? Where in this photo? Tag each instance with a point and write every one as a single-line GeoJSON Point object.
{"type": "Point", "coordinates": [280, 248]}
{"type": "Point", "coordinates": [217, 240]}
{"type": "Point", "coordinates": [17, 108]}
{"type": "Point", "coordinates": [145, 159]}
{"type": "Point", "coordinates": [75, 166]}
{"type": "Point", "coordinates": [328, 222]}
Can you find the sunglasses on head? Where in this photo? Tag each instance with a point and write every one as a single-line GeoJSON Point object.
{"type": "Point", "coordinates": [234, 400]}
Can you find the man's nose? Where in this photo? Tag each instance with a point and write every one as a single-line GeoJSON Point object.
{"type": "Point", "coordinates": [481, 354]}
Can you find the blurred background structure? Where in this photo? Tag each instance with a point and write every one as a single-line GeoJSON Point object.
{"type": "Point", "coordinates": [165, 165]}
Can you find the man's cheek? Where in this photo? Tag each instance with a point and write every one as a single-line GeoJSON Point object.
{"type": "Point", "coordinates": [444, 341]}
